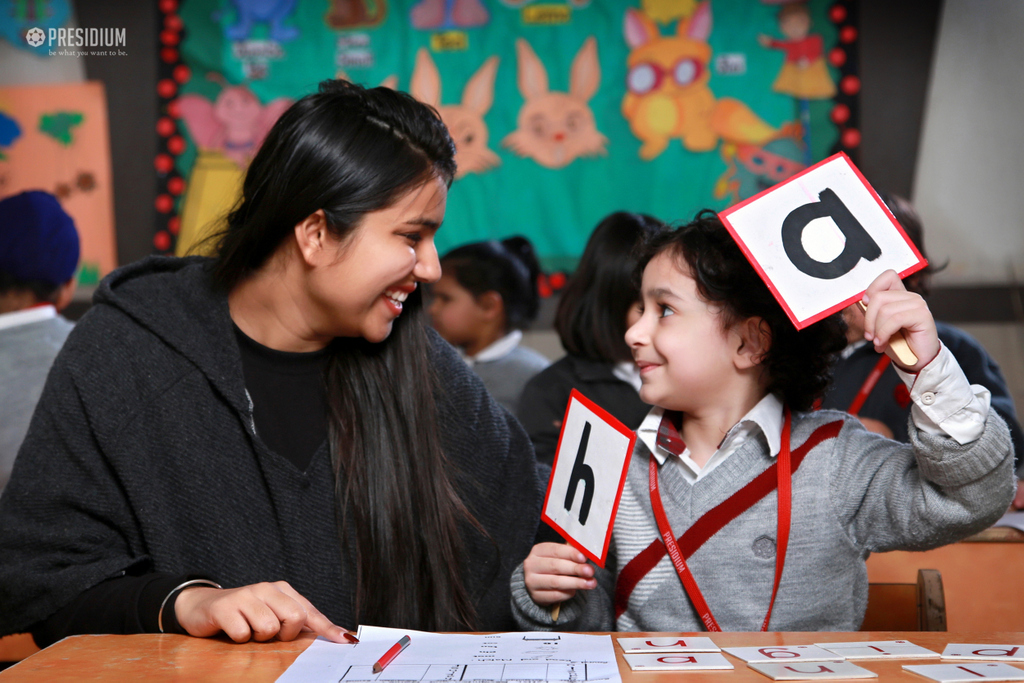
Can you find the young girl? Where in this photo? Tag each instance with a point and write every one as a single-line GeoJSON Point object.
{"type": "Point", "coordinates": [594, 311]}
{"type": "Point", "coordinates": [486, 297]}
{"type": "Point", "coordinates": [273, 440]}
{"type": "Point", "coordinates": [769, 511]}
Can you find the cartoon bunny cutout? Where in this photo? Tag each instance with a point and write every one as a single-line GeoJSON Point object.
{"type": "Point", "coordinates": [554, 128]}
{"type": "Point", "coordinates": [465, 121]}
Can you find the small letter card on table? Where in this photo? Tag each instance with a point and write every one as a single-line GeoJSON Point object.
{"type": "Point", "coordinates": [783, 653]}
{"type": "Point", "coordinates": [806, 671]}
{"type": "Point", "coordinates": [1006, 653]}
{"type": "Point", "coordinates": [879, 649]}
{"type": "Point", "coordinates": [685, 645]}
{"type": "Point", "coordinates": [703, 661]}
{"type": "Point", "coordinates": [960, 673]}
{"type": "Point", "coordinates": [586, 482]}
{"type": "Point", "coordinates": [820, 238]}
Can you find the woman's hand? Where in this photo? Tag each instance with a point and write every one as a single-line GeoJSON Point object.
{"type": "Point", "coordinates": [891, 308]}
{"type": "Point", "coordinates": [260, 611]}
{"type": "Point", "coordinates": [555, 571]}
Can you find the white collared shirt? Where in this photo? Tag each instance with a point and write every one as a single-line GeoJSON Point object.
{"type": "Point", "coordinates": [27, 315]}
{"type": "Point", "coordinates": [628, 372]}
{"type": "Point", "coordinates": [945, 403]}
{"type": "Point", "coordinates": [498, 349]}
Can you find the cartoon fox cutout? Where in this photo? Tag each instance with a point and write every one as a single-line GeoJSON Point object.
{"type": "Point", "coordinates": [667, 89]}
{"type": "Point", "coordinates": [554, 128]}
{"type": "Point", "coordinates": [465, 121]}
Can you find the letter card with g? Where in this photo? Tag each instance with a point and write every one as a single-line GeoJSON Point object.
{"type": "Point", "coordinates": [586, 482]}
{"type": "Point", "coordinates": [820, 238]}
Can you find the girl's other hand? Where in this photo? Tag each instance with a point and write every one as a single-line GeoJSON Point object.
{"type": "Point", "coordinates": [260, 611]}
{"type": "Point", "coordinates": [555, 571]}
{"type": "Point", "coordinates": [891, 308]}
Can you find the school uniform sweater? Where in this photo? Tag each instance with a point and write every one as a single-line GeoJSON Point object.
{"type": "Point", "coordinates": [854, 493]}
{"type": "Point", "coordinates": [143, 458]}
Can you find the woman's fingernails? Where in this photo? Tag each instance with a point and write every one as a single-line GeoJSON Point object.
{"type": "Point", "coordinates": [350, 638]}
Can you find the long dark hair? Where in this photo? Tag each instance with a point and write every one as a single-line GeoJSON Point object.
{"type": "Point", "coordinates": [591, 315]}
{"type": "Point", "coordinates": [348, 151]}
{"type": "Point", "coordinates": [798, 363]}
{"type": "Point", "coordinates": [508, 267]}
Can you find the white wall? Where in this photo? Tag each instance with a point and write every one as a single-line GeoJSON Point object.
{"type": "Point", "coordinates": [969, 185]}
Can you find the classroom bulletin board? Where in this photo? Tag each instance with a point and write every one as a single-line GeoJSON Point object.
{"type": "Point", "coordinates": [562, 110]}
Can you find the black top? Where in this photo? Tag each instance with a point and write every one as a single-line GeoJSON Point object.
{"type": "Point", "coordinates": [289, 403]}
{"type": "Point", "coordinates": [546, 396]}
{"type": "Point", "coordinates": [143, 457]}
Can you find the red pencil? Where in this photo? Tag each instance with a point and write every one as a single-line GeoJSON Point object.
{"type": "Point", "coordinates": [391, 654]}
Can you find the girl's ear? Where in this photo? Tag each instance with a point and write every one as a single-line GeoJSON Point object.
{"type": "Point", "coordinates": [311, 237]}
{"type": "Point", "coordinates": [755, 340]}
{"type": "Point", "coordinates": [491, 303]}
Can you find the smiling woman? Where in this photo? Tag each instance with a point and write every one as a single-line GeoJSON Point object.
{"type": "Point", "coordinates": [278, 420]}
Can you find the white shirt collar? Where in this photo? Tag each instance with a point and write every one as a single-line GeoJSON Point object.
{"type": "Point", "coordinates": [499, 349]}
{"type": "Point", "coordinates": [766, 416]}
{"type": "Point", "coordinates": [629, 373]}
{"type": "Point", "coordinates": [27, 315]}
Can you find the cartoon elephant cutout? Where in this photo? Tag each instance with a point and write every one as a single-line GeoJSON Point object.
{"type": "Point", "coordinates": [554, 128]}
{"type": "Point", "coordinates": [465, 121]}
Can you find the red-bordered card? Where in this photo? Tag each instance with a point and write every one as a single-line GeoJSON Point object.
{"type": "Point", "coordinates": [819, 238]}
{"type": "Point", "coordinates": [591, 463]}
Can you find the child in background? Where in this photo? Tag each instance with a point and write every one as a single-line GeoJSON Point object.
{"type": "Point", "coordinates": [486, 297]}
{"type": "Point", "coordinates": [881, 401]}
{"type": "Point", "coordinates": [733, 382]}
{"type": "Point", "coordinates": [594, 312]}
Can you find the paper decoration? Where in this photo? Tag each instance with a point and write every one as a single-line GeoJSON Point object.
{"type": "Point", "coordinates": [806, 671]}
{"type": "Point", "coordinates": [958, 673]}
{"type": "Point", "coordinates": [879, 649]}
{"type": "Point", "coordinates": [686, 645]}
{"type": "Point", "coordinates": [820, 238]}
{"type": "Point", "coordinates": [783, 653]}
{"type": "Point", "coordinates": [587, 477]}
{"type": "Point", "coordinates": [677, 662]}
{"type": "Point", "coordinates": [1010, 653]}
{"type": "Point", "coordinates": [62, 146]}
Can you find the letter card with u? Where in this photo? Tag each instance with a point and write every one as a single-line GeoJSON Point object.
{"type": "Point", "coordinates": [820, 238]}
{"type": "Point", "coordinates": [591, 463]}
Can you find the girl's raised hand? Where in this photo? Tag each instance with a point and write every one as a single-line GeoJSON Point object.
{"type": "Point", "coordinates": [891, 308]}
{"type": "Point", "coordinates": [260, 611]}
{"type": "Point", "coordinates": [555, 571]}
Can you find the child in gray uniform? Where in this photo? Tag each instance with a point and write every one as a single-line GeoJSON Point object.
{"type": "Point", "coordinates": [768, 511]}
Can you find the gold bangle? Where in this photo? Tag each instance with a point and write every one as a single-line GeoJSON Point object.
{"type": "Point", "coordinates": [177, 589]}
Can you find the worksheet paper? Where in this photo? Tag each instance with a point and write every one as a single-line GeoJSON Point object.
{"type": "Point", "coordinates": [459, 657]}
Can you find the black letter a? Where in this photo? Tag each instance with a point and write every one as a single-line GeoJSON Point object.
{"type": "Point", "coordinates": [858, 242]}
{"type": "Point", "coordinates": [581, 473]}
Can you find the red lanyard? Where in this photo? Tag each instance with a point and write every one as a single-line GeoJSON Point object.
{"type": "Point", "coordinates": [869, 385]}
{"type": "Point", "coordinates": [785, 512]}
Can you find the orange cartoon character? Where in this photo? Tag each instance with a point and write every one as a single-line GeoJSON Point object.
{"type": "Point", "coordinates": [668, 95]}
{"type": "Point", "coordinates": [554, 128]}
{"type": "Point", "coordinates": [465, 121]}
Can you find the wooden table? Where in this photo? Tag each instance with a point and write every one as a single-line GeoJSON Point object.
{"type": "Point", "coordinates": [159, 658]}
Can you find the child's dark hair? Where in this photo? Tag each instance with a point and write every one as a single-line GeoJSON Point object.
{"type": "Point", "coordinates": [905, 214]}
{"type": "Point", "coordinates": [591, 315]}
{"type": "Point", "coordinates": [798, 363]}
{"type": "Point", "coordinates": [508, 267]}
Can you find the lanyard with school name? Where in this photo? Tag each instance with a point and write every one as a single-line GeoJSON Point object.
{"type": "Point", "coordinates": [785, 511]}
{"type": "Point", "coordinates": [869, 385]}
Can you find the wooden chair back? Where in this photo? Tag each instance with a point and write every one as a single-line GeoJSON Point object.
{"type": "Point", "coordinates": [917, 606]}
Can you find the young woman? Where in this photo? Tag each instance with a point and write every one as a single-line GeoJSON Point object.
{"type": "Point", "coordinates": [592, 318]}
{"type": "Point", "coordinates": [486, 297]}
{"type": "Point", "coordinates": [273, 440]}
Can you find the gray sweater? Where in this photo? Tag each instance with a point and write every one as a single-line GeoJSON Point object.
{"type": "Point", "coordinates": [26, 354]}
{"type": "Point", "coordinates": [854, 493]}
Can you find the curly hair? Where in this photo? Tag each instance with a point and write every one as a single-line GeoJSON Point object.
{"type": "Point", "coordinates": [798, 363]}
